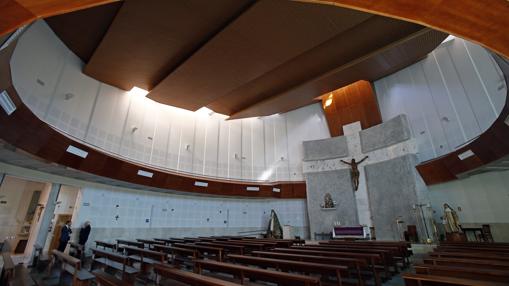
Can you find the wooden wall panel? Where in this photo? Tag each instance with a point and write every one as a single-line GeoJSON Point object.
{"type": "Point", "coordinates": [354, 102]}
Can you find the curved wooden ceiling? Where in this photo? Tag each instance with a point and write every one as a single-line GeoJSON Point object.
{"type": "Point", "coordinates": [241, 58]}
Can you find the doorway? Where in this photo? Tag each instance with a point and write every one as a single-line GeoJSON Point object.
{"type": "Point", "coordinates": [22, 203]}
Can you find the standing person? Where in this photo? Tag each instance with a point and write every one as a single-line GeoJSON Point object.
{"type": "Point", "coordinates": [84, 233]}
{"type": "Point", "coordinates": [65, 236]}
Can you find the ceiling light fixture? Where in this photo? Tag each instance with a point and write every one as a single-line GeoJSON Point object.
{"type": "Point", "coordinates": [6, 103]}
{"type": "Point", "coordinates": [205, 111]}
{"type": "Point", "coordinates": [136, 91]}
{"type": "Point", "coordinates": [328, 101]}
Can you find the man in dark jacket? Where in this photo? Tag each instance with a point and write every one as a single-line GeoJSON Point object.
{"type": "Point", "coordinates": [84, 233]}
{"type": "Point", "coordinates": [65, 235]}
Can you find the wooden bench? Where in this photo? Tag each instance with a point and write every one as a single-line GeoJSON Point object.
{"type": "Point", "coordinates": [229, 248]}
{"type": "Point", "coordinates": [472, 255]}
{"type": "Point", "coordinates": [121, 242]}
{"type": "Point", "coordinates": [163, 240]}
{"type": "Point", "coordinates": [375, 262]}
{"type": "Point", "coordinates": [116, 262]}
{"type": "Point", "coordinates": [501, 251]}
{"type": "Point", "coordinates": [434, 280]}
{"type": "Point", "coordinates": [189, 278]}
{"type": "Point", "coordinates": [355, 265]}
{"type": "Point", "coordinates": [72, 265]}
{"type": "Point", "coordinates": [149, 242]}
{"type": "Point", "coordinates": [464, 272]}
{"type": "Point", "coordinates": [204, 251]}
{"type": "Point", "coordinates": [179, 255]}
{"type": "Point", "coordinates": [280, 278]}
{"type": "Point", "coordinates": [105, 244]}
{"type": "Point", "coordinates": [493, 264]}
{"type": "Point", "coordinates": [288, 265]}
{"type": "Point", "coordinates": [387, 256]}
{"type": "Point", "coordinates": [104, 279]}
{"type": "Point", "coordinates": [145, 257]}
{"type": "Point", "coordinates": [77, 249]}
{"type": "Point", "coordinates": [248, 246]}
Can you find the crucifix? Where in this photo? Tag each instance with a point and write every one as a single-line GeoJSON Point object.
{"type": "Point", "coordinates": [355, 171]}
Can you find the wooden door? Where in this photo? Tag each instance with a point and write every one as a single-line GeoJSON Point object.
{"type": "Point", "coordinates": [57, 230]}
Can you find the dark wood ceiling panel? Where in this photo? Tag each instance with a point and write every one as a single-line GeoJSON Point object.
{"type": "Point", "coordinates": [264, 37]}
{"type": "Point", "coordinates": [359, 41]}
{"type": "Point", "coordinates": [371, 66]}
{"type": "Point", "coordinates": [83, 30]}
{"type": "Point", "coordinates": [148, 39]}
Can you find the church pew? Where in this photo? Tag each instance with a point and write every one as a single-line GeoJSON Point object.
{"type": "Point", "coordinates": [354, 265]}
{"type": "Point", "coordinates": [493, 264]}
{"type": "Point", "coordinates": [104, 279]}
{"type": "Point", "coordinates": [264, 244]}
{"type": "Point", "coordinates": [387, 257]}
{"type": "Point", "coordinates": [464, 272]}
{"type": "Point", "coordinates": [434, 280]}
{"type": "Point", "coordinates": [145, 257]}
{"type": "Point", "coordinates": [280, 278]}
{"type": "Point", "coordinates": [178, 255]}
{"type": "Point", "coordinates": [402, 246]}
{"type": "Point", "coordinates": [105, 244]}
{"type": "Point", "coordinates": [248, 247]}
{"type": "Point", "coordinates": [230, 248]}
{"type": "Point", "coordinates": [148, 242]}
{"type": "Point", "coordinates": [501, 251]}
{"type": "Point", "coordinates": [189, 278]}
{"type": "Point", "coordinates": [466, 255]}
{"type": "Point", "coordinates": [163, 240]}
{"type": "Point", "coordinates": [77, 250]}
{"type": "Point", "coordinates": [475, 244]}
{"type": "Point", "coordinates": [399, 253]}
{"type": "Point", "coordinates": [375, 262]}
{"type": "Point", "coordinates": [113, 261]}
{"type": "Point", "coordinates": [122, 242]}
{"type": "Point", "coordinates": [204, 251]}
{"type": "Point", "coordinates": [71, 265]}
{"type": "Point", "coordinates": [289, 265]}
{"type": "Point", "coordinates": [278, 242]}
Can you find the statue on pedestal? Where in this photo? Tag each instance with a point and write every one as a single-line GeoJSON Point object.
{"type": "Point", "coordinates": [451, 220]}
{"type": "Point", "coordinates": [355, 171]}
{"type": "Point", "coordinates": [328, 202]}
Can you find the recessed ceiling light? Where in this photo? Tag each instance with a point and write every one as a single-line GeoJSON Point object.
{"type": "Point", "coordinates": [328, 101]}
{"type": "Point", "coordinates": [77, 151]}
{"type": "Point", "coordinates": [138, 91]}
{"type": "Point", "coordinates": [205, 111]}
{"type": "Point", "coordinates": [145, 174]}
{"type": "Point", "coordinates": [6, 103]}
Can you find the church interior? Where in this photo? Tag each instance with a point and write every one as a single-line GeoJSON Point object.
{"type": "Point", "coordinates": [254, 142]}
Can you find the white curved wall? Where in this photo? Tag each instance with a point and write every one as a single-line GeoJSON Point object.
{"type": "Point", "coordinates": [46, 73]}
{"type": "Point", "coordinates": [450, 97]}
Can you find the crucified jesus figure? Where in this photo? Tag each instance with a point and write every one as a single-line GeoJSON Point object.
{"type": "Point", "coordinates": [355, 171]}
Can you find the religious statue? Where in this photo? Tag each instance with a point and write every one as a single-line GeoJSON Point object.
{"type": "Point", "coordinates": [355, 171]}
{"type": "Point", "coordinates": [274, 230]}
{"type": "Point", "coordinates": [328, 203]}
{"type": "Point", "coordinates": [451, 221]}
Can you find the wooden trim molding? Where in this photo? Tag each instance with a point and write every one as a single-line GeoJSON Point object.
{"type": "Point", "coordinates": [482, 22]}
{"type": "Point", "coordinates": [16, 13]}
